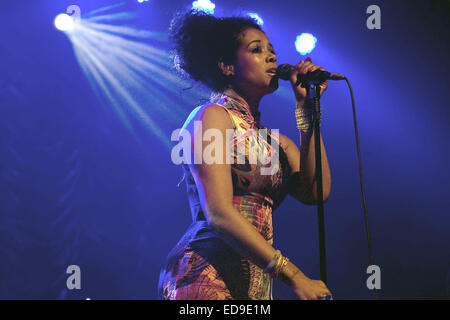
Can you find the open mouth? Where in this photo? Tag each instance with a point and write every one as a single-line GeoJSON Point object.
{"type": "Point", "coordinates": [272, 71]}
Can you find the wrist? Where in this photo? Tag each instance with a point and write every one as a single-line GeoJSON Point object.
{"type": "Point", "coordinates": [300, 103]}
{"type": "Point", "coordinates": [304, 118]}
{"type": "Point", "coordinates": [306, 103]}
{"type": "Point", "coordinates": [282, 269]}
{"type": "Point", "coordinates": [291, 275]}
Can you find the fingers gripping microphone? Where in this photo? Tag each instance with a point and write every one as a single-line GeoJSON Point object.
{"type": "Point", "coordinates": [284, 72]}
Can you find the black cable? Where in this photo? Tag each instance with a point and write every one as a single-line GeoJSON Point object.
{"type": "Point", "coordinates": [361, 181]}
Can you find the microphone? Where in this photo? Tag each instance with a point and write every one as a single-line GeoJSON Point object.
{"type": "Point", "coordinates": [284, 72]}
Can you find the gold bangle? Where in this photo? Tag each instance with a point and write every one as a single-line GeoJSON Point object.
{"type": "Point", "coordinates": [271, 265]}
{"type": "Point", "coordinates": [304, 119]}
{"type": "Point", "coordinates": [276, 268]}
{"type": "Point", "coordinates": [282, 262]}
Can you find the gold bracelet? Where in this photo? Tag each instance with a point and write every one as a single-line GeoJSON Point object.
{"type": "Point", "coordinates": [276, 268]}
{"type": "Point", "coordinates": [271, 265]}
{"type": "Point", "coordinates": [276, 265]}
{"type": "Point", "coordinates": [304, 119]}
{"type": "Point", "coordinates": [282, 262]}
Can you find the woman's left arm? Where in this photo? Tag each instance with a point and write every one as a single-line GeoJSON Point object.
{"type": "Point", "coordinates": [302, 182]}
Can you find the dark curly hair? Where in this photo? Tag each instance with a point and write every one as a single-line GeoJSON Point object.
{"type": "Point", "coordinates": [201, 40]}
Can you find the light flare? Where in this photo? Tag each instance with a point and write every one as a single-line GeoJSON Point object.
{"type": "Point", "coordinates": [129, 70]}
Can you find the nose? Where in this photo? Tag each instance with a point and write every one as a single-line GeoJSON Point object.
{"type": "Point", "coordinates": [271, 58]}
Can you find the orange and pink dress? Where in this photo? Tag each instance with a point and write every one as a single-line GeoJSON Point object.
{"type": "Point", "coordinates": [202, 266]}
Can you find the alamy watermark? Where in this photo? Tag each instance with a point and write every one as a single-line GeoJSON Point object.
{"type": "Point", "coordinates": [74, 280]}
{"type": "Point", "coordinates": [374, 280]}
{"type": "Point", "coordinates": [250, 147]}
{"type": "Point", "coordinates": [374, 20]}
{"type": "Point", "coordinates": [75, 13]}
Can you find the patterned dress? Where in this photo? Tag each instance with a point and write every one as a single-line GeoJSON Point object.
{"type": "Point", "coordinates": [202, 266]}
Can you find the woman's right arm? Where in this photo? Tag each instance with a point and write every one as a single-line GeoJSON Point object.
{"type": "Point", "coordinates": [215, 189]}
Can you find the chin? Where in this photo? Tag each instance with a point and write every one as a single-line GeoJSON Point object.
{"type": "Point", "coordinates": [273, 85]}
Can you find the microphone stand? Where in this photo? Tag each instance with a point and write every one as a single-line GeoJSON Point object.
{"type": "Point", "coordinates": [313, 93]}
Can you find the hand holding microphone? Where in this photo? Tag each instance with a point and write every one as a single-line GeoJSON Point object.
{"type": "Point", "coordinates": [303, 72]}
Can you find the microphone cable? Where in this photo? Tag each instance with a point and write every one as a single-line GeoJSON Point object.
{"type": "Point", "coordinates": [366, 219]}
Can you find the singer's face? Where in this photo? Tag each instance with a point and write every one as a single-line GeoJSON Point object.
{"type": "Point", "coordinates": [255, 57]}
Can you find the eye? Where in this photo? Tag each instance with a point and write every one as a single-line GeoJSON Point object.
{"type": "Point", "coordinates": [256, 49]}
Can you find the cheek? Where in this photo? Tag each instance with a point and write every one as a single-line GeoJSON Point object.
{"type": "Point", "coordinates": [249, 68]}
{"type": "Point", "coordinates": [252, 68]}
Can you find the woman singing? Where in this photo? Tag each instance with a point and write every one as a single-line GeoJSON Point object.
{"type": "Point", "coordinates": [227, 251]}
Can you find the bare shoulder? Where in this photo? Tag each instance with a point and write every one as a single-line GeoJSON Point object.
{"type": "Point", "coordinates": [211, 116]}
{"type": "Point", "coordinates": [215, 116]}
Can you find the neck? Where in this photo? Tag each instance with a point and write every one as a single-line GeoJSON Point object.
{"type": "Point", "coordinates": [251, 101]}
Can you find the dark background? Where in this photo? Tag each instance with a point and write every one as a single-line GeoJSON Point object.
{"type": "Point", "coordinates": [78, 187]}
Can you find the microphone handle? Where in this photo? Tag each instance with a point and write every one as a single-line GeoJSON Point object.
{"type": "Point", "coordinates": [317, 76]}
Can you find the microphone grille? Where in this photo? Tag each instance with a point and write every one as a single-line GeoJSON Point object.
{"type": "Point", "coordinates": [284, 71]}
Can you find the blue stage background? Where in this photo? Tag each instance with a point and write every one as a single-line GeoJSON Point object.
{"type": "Point", "coordinates": [78, 188]}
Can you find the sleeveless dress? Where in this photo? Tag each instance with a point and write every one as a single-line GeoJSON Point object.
{"type": "Point", "coordinates": [202, 266]}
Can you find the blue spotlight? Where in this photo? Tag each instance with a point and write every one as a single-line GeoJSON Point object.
{"type": "Point", "coordinates": [142, 1]}
{"type": "Point", "coordinates": [204, 5]}
{"type": "Point", "coordinates": [256, 17]}
{"type": "Point", "coordinates": [64, 22]}
{"type": "Point", "coordinates": [305, 43]}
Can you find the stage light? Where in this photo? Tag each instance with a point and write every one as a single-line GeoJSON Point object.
{"type": "Point", "coordinates": [257, 18]}
{"type": "Point", "coordinates": [64, 22]}
{"type": "Point", "coordinates": [204, 5]}
{"type": "Point", "coordinates": [305, 43]}
{"type": "Point", "coordinates": [128, 70]}
{"type": "Point", "coordinates": [142, 1]}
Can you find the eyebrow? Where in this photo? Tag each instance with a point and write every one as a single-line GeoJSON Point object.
{"type": "Point", "coordinates": [258, 41]}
